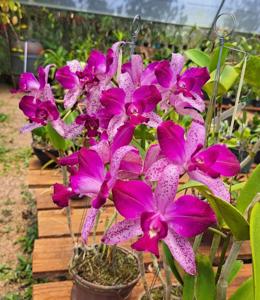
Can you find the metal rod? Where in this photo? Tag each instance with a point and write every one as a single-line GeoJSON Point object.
{"type": "Point", "coordinates": [215, 18]}
{"type": "Point", "coordinates": [135, 29]}
{"type": "Point", "coordinates": [25, 56]}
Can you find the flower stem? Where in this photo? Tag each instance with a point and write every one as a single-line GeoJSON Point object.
{"type": "Point", "coordinates": [168, 286]}
{"type": "Point", "coordinates": [142, 272]}
{"type": "Point", "coordinates": [223, 283]}
{"type": "Point", "coordinates": [222, 257]}
{"type": "Point", "coordinates": [214, 247]}
{"type": "Point", "coordinates": [197, 242]}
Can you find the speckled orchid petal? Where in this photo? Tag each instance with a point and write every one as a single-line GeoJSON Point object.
{"type": "Point", "coordinates": [195, 139]}
{"type": "Point", "coordinates": [91, 174]}
{"type": "Point", "coordinates": [112, 59]}
{"type": "Point", "coordinates": [89, 223]}
{"type": "Point", "coordinates": [184, 108]}
{"type": "Point", "coordinates": [132, 198]}
{"type": "Point", "coordinates": [122, 231]}
{"type": "Point", "coordinates": [115, 122]}
{"type": "Point", "coordinates": [29, 127]}
{"type": "Point", "coordinates": [154, 119]}
{"type": "Point", "coordinates": [216, 185]}
{"type": "Point", "coordinates": [197, 103]}
{"type": "Point", "coordinates": [136, 68]}
{"type": "Point", "coordinates": [74, 65]}
{"type": "Point", "coordinates": [152, 155]}
{"type": "Point", "coordinates": [128, 161]}
{"type": "Point", "coordinates": [66, 78]}
{"type": "Point", "coordinates": [93, 104]}
{"type": "Point", "coordinates": [189, 216]}
{"type": "Point", "coordinates": [182, 251]}
{"type": "Point", "coordinates": [43, 74]}
{"type": "Point", "coordinates": [177, 62]}
{"type": "Point", "coordinates": [71, 97]}
{"type": "Point", "coordinates": [166, 187]}
{"type": "Point", "coordinates": [171, 140]}
{"type": "Point", "coordinates": [125, 82]}
{"type": "Point", "coordinates": [155, 170]}
{"type": "Point", "coordinates": [113, 100]}
{"type": "Point", "coordinates": [103, 150]}
{"type": "Point", "coordinates": [68, 131]}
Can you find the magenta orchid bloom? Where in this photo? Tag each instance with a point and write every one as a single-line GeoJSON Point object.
{"type": "Point", "coordinates": [203, 165]}
{"type": "Point", "coordinates": [182, 90]}
{"type": "Point", "coordinates": [93, 180]}
{"type": "Point", "coordinates": [62, 194]}
{"type": "Point", "coordinates": [158, 217]}
{"type": "Point", "coordinates": [38, 88]}
{"type": "Point", "coordinates": [39, 112]}
{"type": "Point", "coordinates": [89, 81]}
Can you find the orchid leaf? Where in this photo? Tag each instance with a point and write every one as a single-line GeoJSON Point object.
{"type": "Point", "coordinates": [214, 58]}
{"type": "Point", "coordinates": [171, 263]}
{"type": "Point", "coordinates": [191, 184]}
{"type": "Point", "coordinates": [251, 188]}
{"type": "Point", "coordinates": [227, 79]}
{"type": "Point", "coordinates": [232, 217]}
{"type": "Point", "coordinates": [252, 72]}
{"type": "Point", "coordinates": [56, 140]}
{"type": "Point", "coordinates": [188, 287]}
{"type": "Point", "coordinates": [199, 57]}
{"type": "Point", "coordinates": [245, 291]}
{"type": "Point", "coordinates": [237, 265]}
{"type": "Point", "coordinates": [205, 284]}
{"type": "Point", "coordinates": [255, 247]}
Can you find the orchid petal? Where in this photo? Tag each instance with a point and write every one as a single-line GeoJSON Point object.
{"type": "Point", "coordinates": [66, 78]}
{"type": "Point", "coordinates": [61, 194]}
{"type": "Point", "coordinates": [113, 100]}
{"type": "Point", "coordinates": [177, 62]}
{"type": "Point", "coordinates": [164, 74]}
{"type": "Point", "coordinates": [195, 139]}
{"type": "Point", "coordinates": [89, 223]}
{"type": "Point", "coordinates": [96, 62]}
{"type": "Point", "coordinates": [132, 198]}
{"type": "Point", "coordinates": [125, 82]}
{"type": "Point", "coordinates": [103, 150]}
{"type": "Point", "coordinates": [182, 251]}
{"type": "Point", "coordinates": [154, 119]}
{"type": "Point", "coordinates": [214, 184]}
{"type": "Point", "coordinates": [74, 66]}
{"type": "Point", "coordinates": [171, 140]}
{"type": "Point", "coordinates": [155, 171]}
{"type": "Point", "coordinates": [28, 82]}
{"type": "Point", "coordinates": [189, 216]}
{"type": "Point", "coordinates": [29, 127]}
{"type": "Point", "coordinates": [71, 96]}
{"type": "Point", "coordinates": [69, 160]}
{"type": "Point", "coordinates": [122, 231]}
{"type": "Point", "coordinates": [152, 155]}
{"type": "Point", "coordinates": [112, 59]}
{"type": "Point", "coordinates": [166, 187]}
{"type": "Point", "coordinates": [68, 131]}
{"type": "Point", "coordinates": [136, 68]}
{"type": "Point", "coordinates": [148, 75]}
{"type": "Point", "coordinates": [123, 136]}
{"type": "Point", "coordinates": [28, 106]}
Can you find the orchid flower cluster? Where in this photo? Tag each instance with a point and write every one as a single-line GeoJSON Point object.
{"type": "Point", "coordinates": [112, 101]}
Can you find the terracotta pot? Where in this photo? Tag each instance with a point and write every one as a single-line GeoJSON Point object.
{"type": "Point", "coordinates": [159, 286]}
{"type": "Point", "coordinates": [84, 290]}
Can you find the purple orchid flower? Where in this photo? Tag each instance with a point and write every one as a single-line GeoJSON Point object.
{"type": "Point", "coordinates": [38, 88]}
{"type": "Point", "coordinates": [89, 81]}
{"type": "Point", "coordinates": [157, 217]}
{"type": "Point", "coordinates": [126, 115]}
{"type": "Point", "coordinates": [93, 180]}
{"type": "Point", "coordinates": [203, 165]}
{"type": "Point", "coordinates": [183, 91]}
{"type": "Point", "coordinates": [39, 112]}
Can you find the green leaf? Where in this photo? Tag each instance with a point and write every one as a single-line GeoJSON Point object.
{"type": "Point", "coordinates": [171, 263]}
{"type": "Point", "coordinates": [205, 283]}
{"type": "Point", "coordinates": [199, 57]}
{"type": "Point", "coordinates": [214, 58]}
{"type": "Point", "coordinates": [56, 140]}
{"type": "Point", "coordinates": [191, 184]}
{"type": "Point", "coordinates": [227, 79]}
{"type": "Point", "coordinates": [255, 247]}
{"type": "Point", "coordinates": [232, 217]}
{"type": "Point", "coordinates": [237, 265]}
{"type": "Point", "coordinates": [188, 287]}
{"type": "Point", "coordinates": [253, 71]}
{"type": "Point", "coordinates": [251, 188]}
{"type": "Point", "coordinates": [245, 291]}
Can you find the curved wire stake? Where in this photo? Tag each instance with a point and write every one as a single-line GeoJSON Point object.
{"type": "Point", "coordinates": [222, 33]}
{"type": "Point", "coordinates": [241, 81]}
{"type": "Point", "coordinates": [135, 29]}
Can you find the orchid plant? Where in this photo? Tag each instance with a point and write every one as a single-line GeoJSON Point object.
{"type": "Point", "coordinates": [130, 150]}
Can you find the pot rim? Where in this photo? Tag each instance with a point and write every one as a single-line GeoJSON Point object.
{"type": "Point", "coordinates": [83, 281]}
{"type": "Point", "coordinates": [157, 286]}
